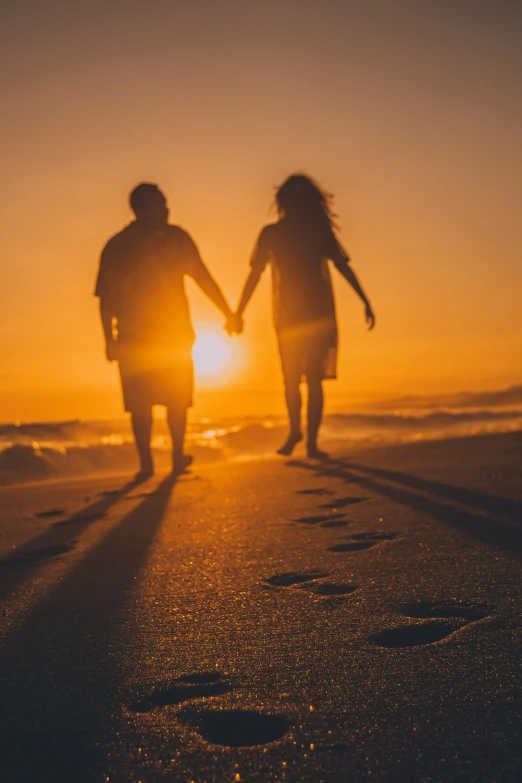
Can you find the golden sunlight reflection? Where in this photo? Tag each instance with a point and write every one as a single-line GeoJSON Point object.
{"type": "Point", "coordinates": [216, 357]}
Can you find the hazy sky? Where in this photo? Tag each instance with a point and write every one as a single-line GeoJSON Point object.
{"type": "Point", "coordinates": [408, 110]}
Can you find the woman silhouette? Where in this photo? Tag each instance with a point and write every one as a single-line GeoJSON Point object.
{"type": "Point", "coordinates": [299, 247]}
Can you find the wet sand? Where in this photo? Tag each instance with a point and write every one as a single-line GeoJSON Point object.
{"type": "Point", "coordinates": [268, 620]}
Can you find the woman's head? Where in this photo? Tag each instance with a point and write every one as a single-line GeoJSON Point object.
{"type": "Point", "coordinates": [300, 198]}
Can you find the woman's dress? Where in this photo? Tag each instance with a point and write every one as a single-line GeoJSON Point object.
{"type": "Point", "coordinates": [303, 300]}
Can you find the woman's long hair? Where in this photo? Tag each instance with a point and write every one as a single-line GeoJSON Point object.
{"type": "Point", "coordinates": [307, 206]}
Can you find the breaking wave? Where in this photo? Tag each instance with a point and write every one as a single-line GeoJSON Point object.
{"type": "Point", "coordinates": [40, 450]}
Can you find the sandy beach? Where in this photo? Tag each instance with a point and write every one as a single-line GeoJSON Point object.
{"type": "Point", "coordinates": [268, 620]}
{"type": "Point", "coordinates": [261, 392]}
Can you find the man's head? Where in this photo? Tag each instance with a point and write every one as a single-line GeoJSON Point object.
{"type": "Point", "coordinates": [149, 204]}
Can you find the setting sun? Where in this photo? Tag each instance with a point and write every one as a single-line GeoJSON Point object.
{"type": "Point", "coordinates": [212, 354]}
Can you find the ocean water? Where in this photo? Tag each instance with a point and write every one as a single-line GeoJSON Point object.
{"type": "Point", "coordinates": [42, 451]}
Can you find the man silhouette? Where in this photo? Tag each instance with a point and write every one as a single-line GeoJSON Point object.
{"type": "Point", "coordinates": [146, 318]}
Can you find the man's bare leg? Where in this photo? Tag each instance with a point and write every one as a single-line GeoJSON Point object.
{"type": "Point", "coordinates": [177, 421]}
{"type": "Point", "coordinates": [142, 428]}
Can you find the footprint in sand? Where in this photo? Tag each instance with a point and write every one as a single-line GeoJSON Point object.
{"type": "Point", "coordinates": [317, 491]}
{"type": "Point", "coordinates": [308, 580]}
{"type": "Point", "coordinates": [190, 686]}
{"type": "Point", "coordinates": [237, 728]}
{"type": "Point", "coordinates": [471, 611]}
{"type": "Point", "coordinates": [360, 541]}
{"type": "Point", "coordinates": [290, 578]}
{"type": "Point", "coordinates": [343, 502]}
{"type": "Point", "coordinates": [443, 619]}
{"type": "Point", "coordinates": [416, 635]}
{"type": "Point", "coordinates": [315, 520]}
{"type": "Point", "coordinates": [38, 554]}
{"type": "Point", "coordinates": [51, 512]}
{"type": "Point", "coordinates": [229, 728]}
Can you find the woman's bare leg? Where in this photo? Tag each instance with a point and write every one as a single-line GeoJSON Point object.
{"type": "Point", "coordinates": [293, 404]}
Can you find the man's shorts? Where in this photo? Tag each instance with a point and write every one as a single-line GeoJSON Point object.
{"type": "Point", "coordinates": [155, 375]}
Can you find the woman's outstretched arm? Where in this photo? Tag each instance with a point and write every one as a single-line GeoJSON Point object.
{"type": "Point", "coordinates": [349, 275]}
{"type": "Point", "coordinates": [248, 289]}
{"type": "Point", "coordinates": [260, 258]}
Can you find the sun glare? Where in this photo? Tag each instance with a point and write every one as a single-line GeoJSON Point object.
{"type": "Point", "coordinates": [212, 354]}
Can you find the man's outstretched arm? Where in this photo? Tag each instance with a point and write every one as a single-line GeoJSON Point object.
{"type": "Point", "coordinates": [211, 289]}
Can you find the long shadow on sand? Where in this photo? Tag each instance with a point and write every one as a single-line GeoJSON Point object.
{"type": "Point", "coordinates": [494, 504]}
{"type": "Point", "coordinates": [482, 527]}
{"type": "Point", "coordinates": [56, 540]}
{"type": "Point", "coordinates": [59, 674]}
{"type": "Point", "coordinates": [192, 686]}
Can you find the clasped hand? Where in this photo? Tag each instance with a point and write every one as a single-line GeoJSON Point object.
{"type": "Point", "coordinates": [234, 324]}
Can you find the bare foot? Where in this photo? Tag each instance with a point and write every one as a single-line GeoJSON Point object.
{"type": "Point", "coordinates": [316, 453]}
{"type": "Point", "coordinates": [290, 444]}
{"type": "Point", "coordinates": [180, 465]}
{"type": "Point", "coordinates": [143, 475]}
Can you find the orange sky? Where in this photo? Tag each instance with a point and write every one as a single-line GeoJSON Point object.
{"type": "Point", "coordinates": [410, 112]}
